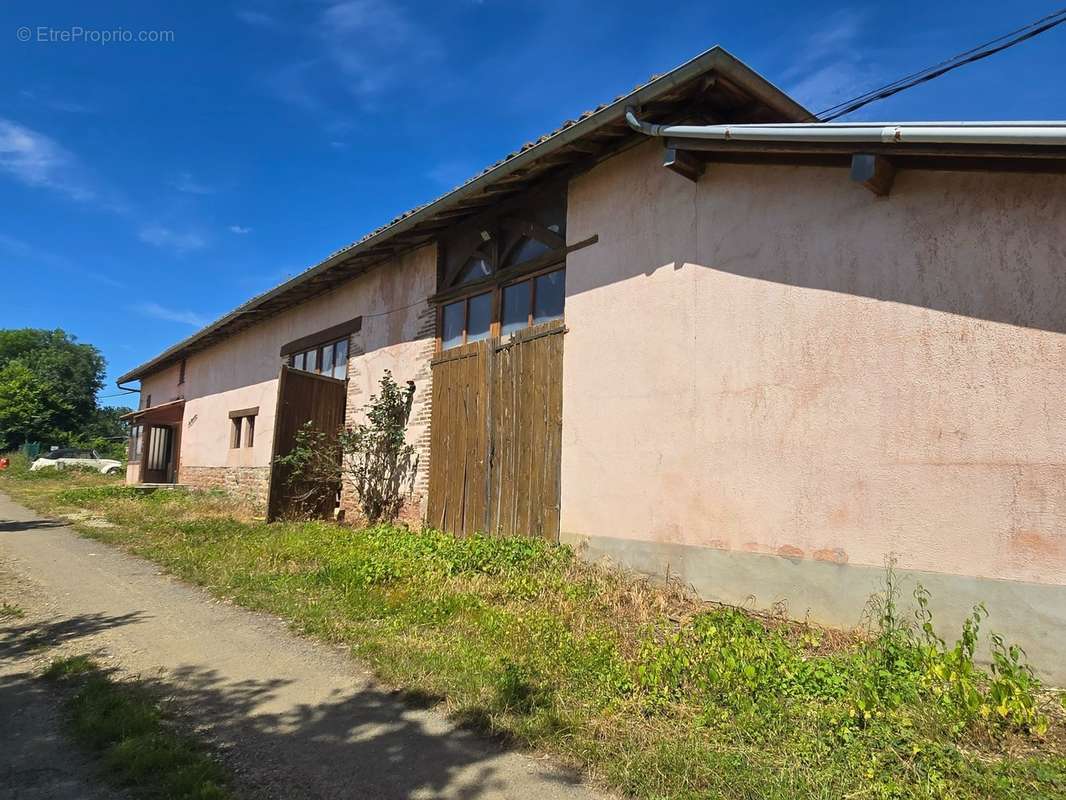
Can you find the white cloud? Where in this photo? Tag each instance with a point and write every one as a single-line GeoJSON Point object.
{"type": "Point", "coordinates": [368, 46]}
{"type": "Point", "coordinates": [37, 160]}
{"type": "Point", "coordinates": [240, 230]}
{"type": "Point", "coordinates": [186, 183]}
{"type": "Point", "coordinates": [171, 314]}
{"type": "Point", "coordinates": [832, 65]}
{"type": "Point", "coordinates": [16, 248]}
{"type": "Point", "coordinates": [161, 236]}
{"type": "Point", "coordinates": [54, 103]}
{"type": "Point", "coordinates": [258, 19]}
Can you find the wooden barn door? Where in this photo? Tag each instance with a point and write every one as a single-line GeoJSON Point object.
{"type": "Point", "coordinates": [302, 397]}
{"type": "Point", "coordinates": [496, 436]}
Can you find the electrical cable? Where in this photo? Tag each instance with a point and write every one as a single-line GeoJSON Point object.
{"type": "Point", "coordinates": [978, 53]}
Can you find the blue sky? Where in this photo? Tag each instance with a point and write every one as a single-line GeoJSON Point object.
{"type": "Point", "coordinates": [147, 188]}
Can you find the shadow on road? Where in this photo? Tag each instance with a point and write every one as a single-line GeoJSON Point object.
{"type": "Point", "coordinates": [21, 526]}
{"type": "Point", "coordinates": [24, 638]}
{"type": "Point", "coordinates": [374, 743]}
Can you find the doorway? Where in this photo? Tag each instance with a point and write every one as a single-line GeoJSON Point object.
{"type": "Point", "coordinates": [158, 455]}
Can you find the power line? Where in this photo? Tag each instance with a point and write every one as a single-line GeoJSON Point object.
{"type": "Point", "coordinates": [989, 48]}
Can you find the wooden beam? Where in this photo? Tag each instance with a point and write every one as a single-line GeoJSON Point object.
{"type": "Point", "coordinates": [683, 163]}
{"type": "Point", "coordinates": [876, 173]}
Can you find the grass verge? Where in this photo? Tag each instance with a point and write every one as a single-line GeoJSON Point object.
{"type": "Point", "coordinates": [655, 694]}
{"type": "Point", "coordinates": [123, 724]}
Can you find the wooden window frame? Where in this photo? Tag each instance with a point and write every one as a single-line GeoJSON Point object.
{"type": "Point", "coordinates": [242, 429]}
{"type": "Point", "coordinates": [497, 290]}
{"type": "Point", "coordinates": [318, 350]}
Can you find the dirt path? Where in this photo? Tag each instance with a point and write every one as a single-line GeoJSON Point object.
{"type": "Point", "coordinates": [294, 718]}
{"type": "Point", "coordinates": [36, 760]}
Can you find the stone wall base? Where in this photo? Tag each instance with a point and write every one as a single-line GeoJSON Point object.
{"type": "Point", "coordinates": [248, 484]}
{"type": "Point", "coordinates": [412, 512]}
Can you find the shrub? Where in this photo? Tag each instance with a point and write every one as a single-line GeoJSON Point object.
{"type": "Point", "coordinates": [373, 458]}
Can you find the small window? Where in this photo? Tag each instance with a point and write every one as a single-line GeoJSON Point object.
{"type": "Point", "coordinates": [235, 434]}
{"type": "Point", "coordinates": [515, 314]}
{"type": "Point", "coordinates": [454, 323]}
{"type": "Point", "coordinates": [549, 294]}
{"type": "Point", "coordinates": [249, 431]}
{"type": "Point", "coordinates": [329, 359]}
{"type": "Point", "coordinates": [181, 372]}
{"type": "Point", "coordinates": [340, 360]}
{"type": "Point", "coordinates": [476, 269]}
{"type": "Point", "coordinates": [479, 317]}
{"type": "Point", "coordinates": [326, 367]}
{"type": "Point", "coordinates": [134, 453]}
{"type": "Point", "coordinates": [526, 250]}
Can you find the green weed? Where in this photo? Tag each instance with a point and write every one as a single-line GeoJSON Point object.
{"type": "Point", "coordinates": [123, 724]}
{"type": "Point", "coordinates": [657, 694]}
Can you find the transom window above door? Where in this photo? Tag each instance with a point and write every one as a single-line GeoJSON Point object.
{"type": "Point", "coordinates": [505, 310]}
{"type": "Point", "coordinates": [505, 273]}
{"type": "Point", "coordinates": [326, 359]}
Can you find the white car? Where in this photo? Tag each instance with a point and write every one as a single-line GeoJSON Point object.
{"type": "Point", "coordinates": [72, 457]}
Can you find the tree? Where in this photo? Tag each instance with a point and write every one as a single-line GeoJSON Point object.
{"type": "Point", "coordinates": [48, 385]}
{"type": "Point", "coordinates": [26, 405]}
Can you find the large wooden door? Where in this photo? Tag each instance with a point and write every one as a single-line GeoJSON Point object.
{"type": "Point", "coordinates": [302, 397]}
{"type": "Point", "coordinates": [496, 436]}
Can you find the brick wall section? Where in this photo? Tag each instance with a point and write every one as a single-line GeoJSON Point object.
{"type": "Point", "coordinates": [248, 484]}
{"type": "Point", "coordinates": [414, 509]}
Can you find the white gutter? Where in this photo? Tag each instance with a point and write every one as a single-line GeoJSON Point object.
{"type": "Point", "coordinates": [1019, 133]}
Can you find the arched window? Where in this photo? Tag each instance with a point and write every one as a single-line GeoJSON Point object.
{"type": "Point", "coordinates": [511, 263]}
{"type": "Point", "coordinates": [477, 267]}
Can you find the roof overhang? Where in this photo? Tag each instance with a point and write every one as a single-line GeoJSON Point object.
{"type": "Point", "coordinates": [162, 414]}
{"type": "Point", "coordinates": [712, 87]}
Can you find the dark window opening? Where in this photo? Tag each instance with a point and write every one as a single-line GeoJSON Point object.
{"type": "Point", "coordinates": [327, 359]}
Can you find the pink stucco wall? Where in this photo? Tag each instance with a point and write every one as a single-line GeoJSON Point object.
{"type": "Point", "coordinates": [242, 370]}
{"type": "Point", "coordinates": [774, 360]}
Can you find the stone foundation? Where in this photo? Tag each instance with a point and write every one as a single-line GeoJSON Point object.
{"type": "Point", "coordinates": [249, 484]}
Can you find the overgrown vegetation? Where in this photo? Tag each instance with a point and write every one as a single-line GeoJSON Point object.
{"type": "Point", "coordinates": [654, 693]}
{"type": "Point", "coordinates": [124, 724]}
{"type": "Point", "coordinates": [373, 458]}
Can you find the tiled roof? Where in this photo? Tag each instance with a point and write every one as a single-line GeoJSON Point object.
{"type": "Point", "coordinates": [714, 79]}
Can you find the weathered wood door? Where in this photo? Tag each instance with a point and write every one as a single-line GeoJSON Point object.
{"type": "Point", "coordinates": [496, 436]}
{"type": "Point", "coordinates": [302, 397]}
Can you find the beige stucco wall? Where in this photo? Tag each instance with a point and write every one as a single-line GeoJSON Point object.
{"type": "Point", "coordinates": [776, 361]}
{"type": "Point", "coordinates": [163, 386]}
{"type": "Point", "coordinates": [242, 371]}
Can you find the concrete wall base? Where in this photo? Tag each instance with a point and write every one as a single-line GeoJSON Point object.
{"type": "Point", "coordinates": [1032, 615]}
